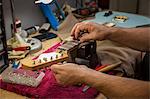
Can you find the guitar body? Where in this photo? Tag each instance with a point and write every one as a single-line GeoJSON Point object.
{"type": "Point", "coordinates": [130, 20]}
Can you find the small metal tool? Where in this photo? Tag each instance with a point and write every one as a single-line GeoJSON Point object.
{"type": "Point", "coordinates": [85, 88]}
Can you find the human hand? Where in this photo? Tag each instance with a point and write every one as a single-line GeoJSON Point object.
{"type": "Point", "coordinates": [94, 31]}
{"type": "Point", "coordinates": [69, 73]}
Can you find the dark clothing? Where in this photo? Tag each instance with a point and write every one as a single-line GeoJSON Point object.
{"type": "Point", "coordinates": [145, 67]}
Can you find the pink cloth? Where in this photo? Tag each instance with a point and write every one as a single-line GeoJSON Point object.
{"type": "Point", "coordinates": [49, 89]}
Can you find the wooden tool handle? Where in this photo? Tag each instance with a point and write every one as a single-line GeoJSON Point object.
{"type": "Point", "coordinates": [110, 67]}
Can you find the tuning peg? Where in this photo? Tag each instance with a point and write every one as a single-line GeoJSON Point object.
{"type": "Point", "coordinates": [40, 61]}
{"type": "Point", "coordinates": [56, 56]}
{"type": "Point", "coordinates": [51, 58]}
{"type": "Point", "coordinates": [33, 63]}
{"type": "Point", "coordinates": [45, 59]}
{"type": "Point", "coordinates": [62, 54]}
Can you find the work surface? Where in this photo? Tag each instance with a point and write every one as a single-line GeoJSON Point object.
{"type": "Point", "coordinates": [10, 95]}
{"type": "Point", "coordinates": [109, 52]}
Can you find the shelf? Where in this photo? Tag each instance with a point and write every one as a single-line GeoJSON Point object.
{"type": "Point", "coordinates": [2, 68]}
{"type": "Point", "coordinates": [3, 42]}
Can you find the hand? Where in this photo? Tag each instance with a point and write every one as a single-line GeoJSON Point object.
{"type": "Point", "coordinates": [69, 74]}
{"type": "Point", "coordinates": [94, 31]}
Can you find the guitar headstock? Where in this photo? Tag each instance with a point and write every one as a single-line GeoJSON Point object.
{"type": "Point", "coordinates": [44, 60]}
{"type": "Point", "coordinates": [61, 54]}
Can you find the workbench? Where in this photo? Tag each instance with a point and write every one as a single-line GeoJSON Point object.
{"type": "Point", "coordinates": [108, 51]}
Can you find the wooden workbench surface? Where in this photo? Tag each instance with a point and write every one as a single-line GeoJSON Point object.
{"type": "Point", "coordinates": [10, 95]}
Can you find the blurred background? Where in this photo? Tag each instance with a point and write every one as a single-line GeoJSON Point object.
{"type": "Point", "coordinates": [30, 14]}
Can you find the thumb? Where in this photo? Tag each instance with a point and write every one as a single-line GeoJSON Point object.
{"type": "Point", "coordinates": [55, 68]}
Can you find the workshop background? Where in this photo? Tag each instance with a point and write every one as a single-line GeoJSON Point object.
{"type": "Point", "coordinates": [30, 14]}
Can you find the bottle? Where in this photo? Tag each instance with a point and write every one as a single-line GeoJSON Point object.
{"type": "Point", "coordinates": [18, 25]}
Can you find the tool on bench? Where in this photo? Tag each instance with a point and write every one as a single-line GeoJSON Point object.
{"type": "Point", "coordinates": [44, 28]}
{"type": "Point", "coordinates": [45, 36]}
{"type": "Point", "coordinates": [18, 48]}
{"type": "Point", "coordinates": [35, 44]}
{"type": "Point", "coordinates": [86, 53]}
{"type": "Point", "coordinates": [15, 64]}
{"type": "Point", "coordinates": [85, 12]}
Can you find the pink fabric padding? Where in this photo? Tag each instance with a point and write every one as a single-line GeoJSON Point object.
{"type": "Point", "coordinates": [49, 88]}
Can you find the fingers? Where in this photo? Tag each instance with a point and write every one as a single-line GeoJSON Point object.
{"type": "Point", "coordinates": [86, 37]}
{"type": "Point", "coordinates": [67, 74]}
{"type": "Point", "coordinates": [78, 28]}
{"type": "Point", "coordinates": [56, 68]}
{"type": "Point", "coordinates": [60, 80]}
{"type": "Point", "coordinates": [73, 29]}
{"type": "Point", "coordinates": [60, 74]}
